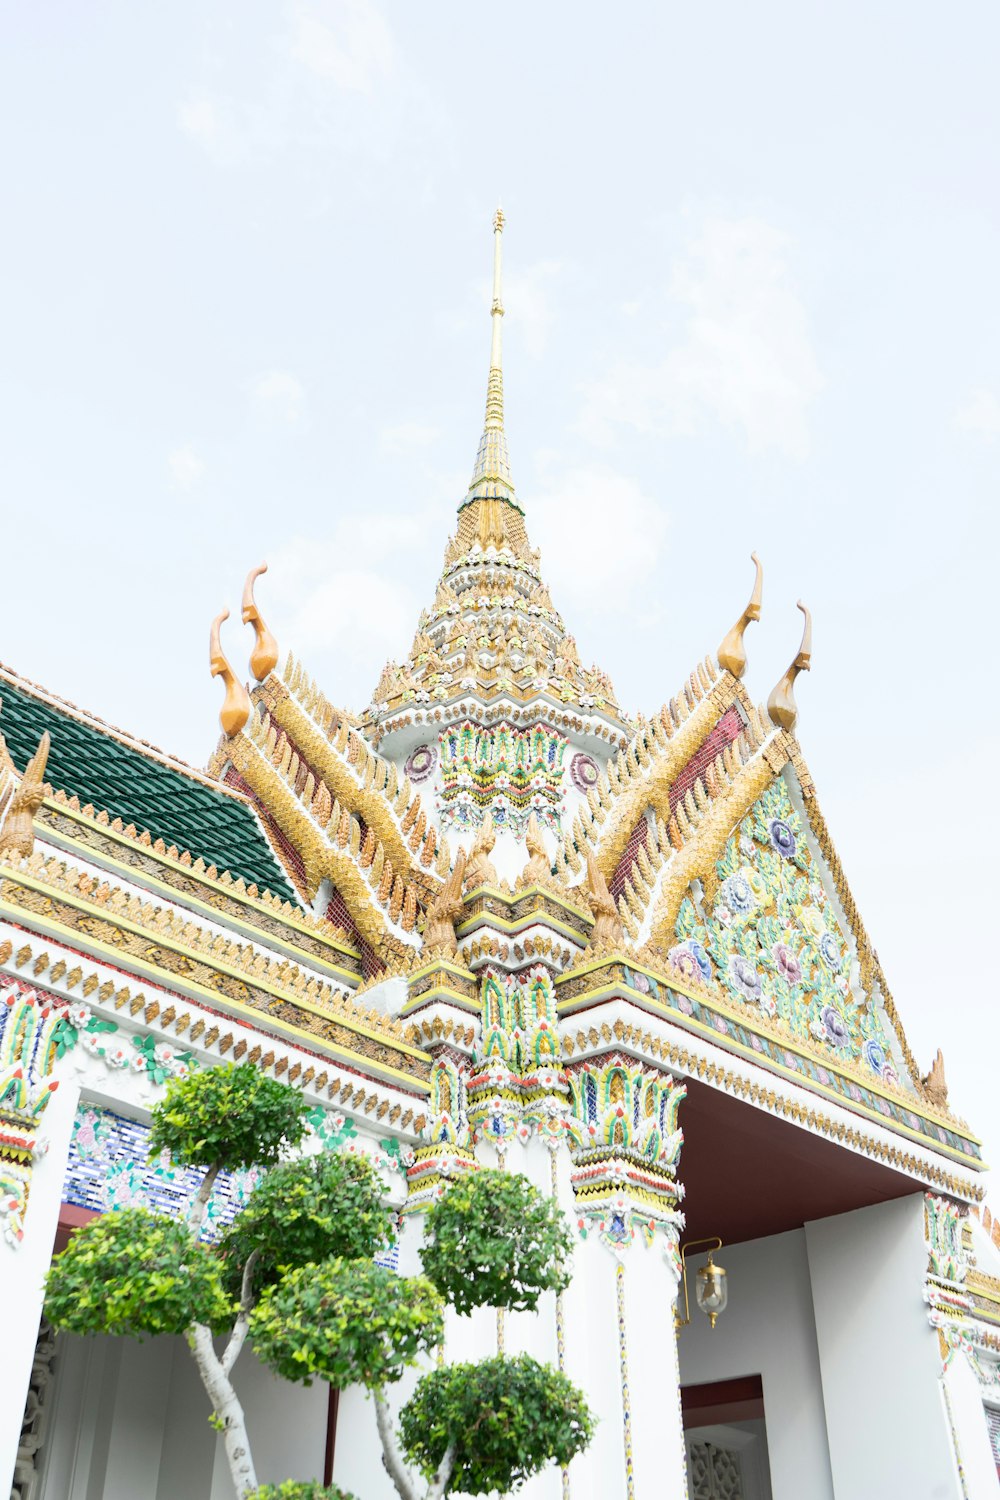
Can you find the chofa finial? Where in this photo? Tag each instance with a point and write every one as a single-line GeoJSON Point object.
{"type": "Point", "coordinates": [236, 707]}
{"type": "Point", "coordinates": [781, 705]}
{"type": "Point", "coordinates": [264, 656]}
{"type": "Point", "coordinates": [732, 653]}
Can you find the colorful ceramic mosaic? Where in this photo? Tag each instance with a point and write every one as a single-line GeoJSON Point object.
{"type": "Point", "coordinates": [28, 1024]}
{"type": "Point", "coordinates": [516, 1085]}
{"type": "Point", "coordinates": [943, 1221]}
{"type": "Point", "coordinates": [158, 1061]}
{"type": "Point", "coordinates": [508, 771]}
{"type": "Point", "coordinates": [772, 938]}
{"type": "Point", "coordinates": [421, 762]}
{"type": "Point", "coordinates": [110, 1167]}
{"type": "Point", "coordinates": [749, 1036]}
{"type": "Point", "coordinates": [627, 1148]}
{"type": "Point", "coordinates": [623, 1377]}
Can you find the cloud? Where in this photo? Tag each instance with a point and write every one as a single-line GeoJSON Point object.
{"type": "Point", "coordinates": [407, 438]}
{"type": "Point", "coordinates": [616, 536]}
{"type": "Point", "coordinates": [744, 359]}
{"type": "Point", "coordinates": [980, 413]}
{"type": "Point", "coordinates": [345, 604]}
{"type": "Point", "coordinates": [527, 294]}
{"type": "Point", "coordinates": [208, 121]}
{"type": "Point", "coordinates": [346, 41]}
{"type": "Point", "coordinates": [186, 468]}
{"type": "Point", "coordinates": [280, 396]}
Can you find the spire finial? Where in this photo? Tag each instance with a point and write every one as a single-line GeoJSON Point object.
{"type": "Point", "coordinates": [491, 475]}
{"type": "Point", "coordinates": [781, 706]}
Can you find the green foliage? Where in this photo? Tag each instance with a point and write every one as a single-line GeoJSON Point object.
{"type": "Point", "coordinates": [507, 1417]}
{"type": "Point", "coordinates": [305, 1211]}
{"type": "Point", "coordinates": [299, 1489]}
{"type": "Point", "coordinates": [348, 1322]}
{"type": "Point", "coordinates": [233, 1115]}
{"type": "Point", "coordinates": [134, 1272]}
{"type": "Point", "coordinates": [495, 1240]}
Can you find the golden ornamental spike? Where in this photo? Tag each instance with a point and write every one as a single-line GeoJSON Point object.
{"type": "Point", "coordinates": [236, 707]}
{"type": "Point", "coordinates": [18, 832]}
{"type": "Point", "coordinates": [781, 707]}
{"type": "Point", "coordinates": [443, 912]}
{"type": "Point", "coordinates": [264, 656]}
{"type": "Point", "coordinates": [732, 654]}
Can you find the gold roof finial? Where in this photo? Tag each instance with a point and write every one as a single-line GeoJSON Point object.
{"type": "Point", "coordinates": [934, 1083]}
{"type": "Point", "coordinates": [491, 475]}
{"type": "Point", "coordinates": [18, 832]}
{"type": "Point", "coordinates": [443, 912]}
{"type": "Point", "coordinates": [264, 656]}
{"type": "Point", "coordinates": [732, 653]}
{"type": "Point", "coordinates": [781, 706]}
{"type": "Point", "coordinates": [236, 707]}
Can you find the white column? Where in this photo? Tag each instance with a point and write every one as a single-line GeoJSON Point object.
{"type": "Point", "coordinates": [966, 1416]}
{"type": "Point", "coordinates": [22, 1271]}
{"type": "Point", "coordinates": [879, 1357]}
{"type": "Point", "coordinates": [621, 1349]}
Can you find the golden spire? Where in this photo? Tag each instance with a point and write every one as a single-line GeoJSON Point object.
{"type": "Point", "coordinates": [18, 832]}
{"type": "Point", "coordinates": [264, 656]}
{"type": "Point", "coordinates": [781, 706]}
{"type": "Point", "coordinates": [491, 475]}
{"type": "Point", "coordinates": [732, 653]}
{"type": "Point", "coordinates": [236, 707]}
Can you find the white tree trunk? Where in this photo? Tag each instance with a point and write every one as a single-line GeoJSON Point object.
{"type": "Point", "coordinates": [395, 1467]}
{"type": "Point", "coordinates": [393, 1458]}
{"type": "Point", "coordinates": [227, 1408]}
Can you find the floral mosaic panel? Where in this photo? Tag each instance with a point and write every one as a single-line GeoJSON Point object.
{"type": "Point", "coordinates": [773, 941]}
{"type": "Point", "coordinates": [110, 1167]}
{"type": "Point", "coordinates": [507, 771]}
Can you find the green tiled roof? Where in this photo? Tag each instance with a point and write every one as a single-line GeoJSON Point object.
{"type": "Point", "coordinates": [88, 761]}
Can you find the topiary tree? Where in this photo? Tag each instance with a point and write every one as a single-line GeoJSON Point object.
{"type": "Point", "coordinates": [295, 1271]}
{"type": "Point", "coordinates": [297, 1489]}
{"type": "Point", "coordinates": [140, 1273]}
{"type": "Point", "coordinates": [492, 1240]}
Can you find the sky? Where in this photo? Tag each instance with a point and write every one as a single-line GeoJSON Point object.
{"type": "Point", "coordinates": [751, 287]}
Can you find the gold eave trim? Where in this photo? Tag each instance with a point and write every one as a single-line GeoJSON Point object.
{"type": "Point", "coordinates": [52, 835]}
{"type": "Point", "coordinates": [767, 1065]}
{"type": "Point", "coordinates": [28, 920]}
{"type": "Point", "coordinates": [445, 996]}
{"type": "Point", "coordinates": [677, 987]}
{"type": "Point", "coordinates": [514, 925]}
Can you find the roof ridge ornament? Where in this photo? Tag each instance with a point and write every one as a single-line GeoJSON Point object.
{"type": "Point", "coordinates": [236, 707]}
{"type": "Point", "coordinates": [781, 706]}
{"type": "Point", "coordinates": [18, 832]}
{"type": "Point", "coordinates": [264, 656]}
{"type": "Point", "coordinates": [732, 655]}
{"type": "Point", "coordinates": [491, 479]}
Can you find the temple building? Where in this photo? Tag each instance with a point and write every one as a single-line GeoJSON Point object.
{"type": "Point", "coordinates": [495, 917]}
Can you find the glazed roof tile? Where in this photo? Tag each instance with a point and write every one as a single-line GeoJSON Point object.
{"type": "Point", "coordinates": [128, 781]}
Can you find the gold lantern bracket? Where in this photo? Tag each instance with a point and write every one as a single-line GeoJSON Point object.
{"type": "Point", "coordinates": [711, 1287]}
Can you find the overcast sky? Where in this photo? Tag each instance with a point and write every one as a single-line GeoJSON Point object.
{"type": "Point", "coordinates": [751, 285]}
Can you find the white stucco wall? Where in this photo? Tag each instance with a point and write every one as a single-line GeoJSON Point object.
{"type": "Point", "coordinates": [23, 1268]}
{"type": "Point", "coordinates": [768, 1330]}
{"type": "Point", "coordinates": [131, 1423]}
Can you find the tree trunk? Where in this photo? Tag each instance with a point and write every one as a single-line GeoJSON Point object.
{"type": "Point", "coordinates": [227, 1409]}
{"type": "Point", "coordinates": [395, 1467]}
